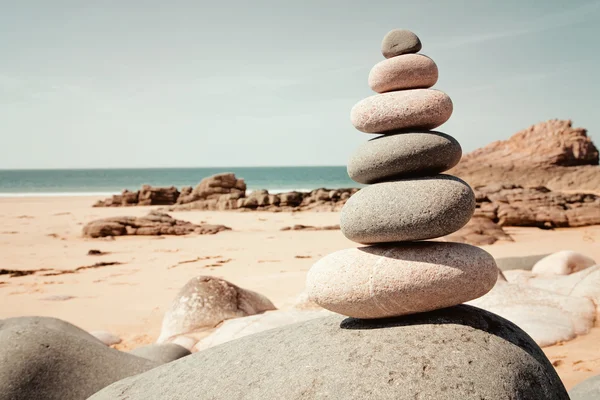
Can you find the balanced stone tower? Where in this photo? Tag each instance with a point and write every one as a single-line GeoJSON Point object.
{"type": "Point", "coordinates": [407, 200]}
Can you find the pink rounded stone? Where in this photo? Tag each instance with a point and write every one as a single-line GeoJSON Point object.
{"type": "Point", "coordinates": [402, 278]}
{"type": "Point", "coordinates": [417, 108]}
{"type": "Point", "coordinates": [409, 71]}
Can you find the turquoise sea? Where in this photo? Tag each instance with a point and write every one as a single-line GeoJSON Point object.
{"type": "Point", "coordinates": [108, 181]}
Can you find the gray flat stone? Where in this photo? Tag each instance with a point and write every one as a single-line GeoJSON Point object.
{"type": "Point", "coordinates": [586, 390]}
{"type": "Point", "coordinates": [456, 353]}
{"type": "Point", "coordinates": [411, 209]}
{"type": "Point", "coordinates": [39, 362]}
{"type": "Point", "coordinates": [402, 155]}
{"type": "Point", "coordinates": [161, 353]}
{"type": "Point", "coordinates": [400, 41]}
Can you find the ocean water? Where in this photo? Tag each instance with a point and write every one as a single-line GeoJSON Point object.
{"type": "Point", "coordinates": [112, 181]}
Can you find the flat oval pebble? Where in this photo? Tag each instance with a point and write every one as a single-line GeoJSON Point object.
{"type": "Point", "coordinates": [417, 108]}
{"type": "Point", "coordinates": [403, 155]}
{"type": "Point", "coordinates": [410, 71]}
{"type": "Point", "coordinates": [401, 278]}
{"type": "Point", "coordinates": [400, 41]}
{"type": "Point", "coordinates": [411, 209]}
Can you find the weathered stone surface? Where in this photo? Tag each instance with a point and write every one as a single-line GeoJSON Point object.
{"type": "Point", "coordinates": [206, 301]}
{"type": "Point", "coordinates": [401, 278]}
{"type": "Point", "coordinates": [237, 328]}
{"type": "Point", "coordinates": [40, 362]}
{"type": "Point", "coordinates": [547, 317]}
{"type": "Point", "coordinates": [400, 155]}
{"type": "Point", "coordinates": [155, 223]}
{"type": "Point", "coordinates": [400, 41]}
{"type": "Point", "coordinates": [563, 262]}
{"type": "Point", "coordinates": [151, 196]}
{"type": "Point", "coordinates": [412, 209]}
{"type": "Point", "coordinates": [511, 205]}
{"type": "Point", "coordinates": [457, 353]}
{"type": "Point", "coordinates": [479, 231]}
{"type": "Point", "coordinates": [417, 108]}
{"type": "Point", "coordinates": [161, 353]}
{"type": "Point", "coordinates": [551, 154]}
{"type": "Point", "coordinates": [410, 71]}
{"type": "Point", "coordinates": [586, 390]}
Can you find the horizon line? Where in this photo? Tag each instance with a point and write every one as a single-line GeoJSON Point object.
{"type": "Point", "coordinates": [140, 168]}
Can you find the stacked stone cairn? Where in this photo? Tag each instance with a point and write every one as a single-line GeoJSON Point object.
{"type": "Point", "coordinates": [407, 201]}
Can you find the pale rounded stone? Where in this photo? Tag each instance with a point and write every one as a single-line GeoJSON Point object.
{"type": "Point", "coordinates": [105, 337]}
{"type": "Point", "coordinates": [547, 317]}
{"type": "Point", "coordinates": [411, 209]}
{"type": "Point", "coordinates": [563, 262]}
{"type": "Point", "coordinates": [400, 41]}
{"type": "Point", "coordinates": [410, 71]}
{"type": "Point", "coordinates": [417, 108]}
{"type": "Point", "coordinates": [403, 155]}
{"type": "Point", "coordinates": [401, 278]}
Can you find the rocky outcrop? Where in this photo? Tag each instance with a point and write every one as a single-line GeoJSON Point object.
{"type": "Point", "coordinates": [146, 196]}
{"type": "Point", "coordinates": [479, 231]}
{"type": "Point", "coordinates": [154, 224]}
{"type": "Point", "coordinates": [512, 205]}
{"type": "Point", "coordinates": [551, 154]}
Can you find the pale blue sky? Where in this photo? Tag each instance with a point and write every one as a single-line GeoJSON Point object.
{"type": "Point", "coordinates": [131, 83]}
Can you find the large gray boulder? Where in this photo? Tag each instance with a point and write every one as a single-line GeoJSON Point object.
{"type": "Point", "coordinates": [161, 353]}
{"type": "Point", "coordinates": [34, 322]}
{"type": "Point", "coordinates": [587, 390]}
{"type": "Point", "coordinates": [455, 353]}
{"type": "Point", "coordinates": [40, 362]}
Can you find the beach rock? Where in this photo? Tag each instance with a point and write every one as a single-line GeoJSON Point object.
{"type": "Point", "coordinates": [417, 108]}
{"type": "Point", "coordinates": [107, 338]}
{"type": "Point", "coordinates": [38, 323]}
{"type": "Point", "coordinates": [154, 224]}
{"type": "Point", "coordinates": [585, 283]}
{"type": "Point", "coordinates": [206, 301]}
{"type": "Point", "coordinates": [299, 227]}
{"type": "Point", "coordinates": [553, 154]}
{"type": "Point", "coordinates": [402, 155]}
{"type": "Point", "coordinates": [479, 231]}
{"type": "Point", "coordinates": [410, 71]}
{"type": "Point", "coordinates": [401, 278]}
{"type": "Point", "coordinates": [161, 353]}
{"type": "Point", "coordinates": [400, 41]}
{"type": "Point", "coordinates": [39, 362]}
{"type": "Point", "coordinates": [412, 209]}
{"type": "Point", "coordinates": [523, 262]}
{"type": "Point", "coordinates": [547, 317]}
{"type": "Point", "coordinates": [513, 205]}
{"type": "Point", "coordinates": [157, 196]}
{"type": "Point", "coordinates": [456, 353]}
{"type": "Point", "coordinates": [586, 390]}
{"type": "Point", "coordinates": [236, 328]}
{"type": "Point", "coordinates": [563, 262]}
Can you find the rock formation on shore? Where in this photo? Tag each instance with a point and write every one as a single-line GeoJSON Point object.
{"type": "Point", "coordinates": [154, 224]}
{"type": "Point", "coordinates": [551, 154]}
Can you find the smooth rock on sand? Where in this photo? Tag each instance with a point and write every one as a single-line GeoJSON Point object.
{"type": "Point", "coordinates": [406, 154]}
{"type": "Point", "coordinates": [547, 317]}
{"type": "Point", "coordinates": [401, 278]}
{"type": "Point", "coordinates": [240, 327]}
{"type": "Point", "coordinates": [410, 71]}
{"type": "Point", "coordinates": [563, 263]}
{"type": "Point", "coordinates": [411, 209]}
{"type": "Point", "coordinates": [522, 262]}
{"type": "Point", "coordinates": [206, 301]}
{"type": "Point", "coordinates": [161, 353]}
{"type": "Point", "coordinates": [39, 362]}
{"type": "Point", "coordinates": [400, 41]}
{"type": "Point", "coordinates": [586, 390]}
{"type": "Point", "coordinates": [417, 108]}
{"type": "Point", "coordinates": [456, 353]}
{"type": "Point", "coordinates": [35, 323]}
{"type": "Point", "coordinates": [107, 338]}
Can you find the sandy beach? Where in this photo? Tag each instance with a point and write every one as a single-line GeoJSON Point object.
{"type": "Point", "coordinates": [130, 298]}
